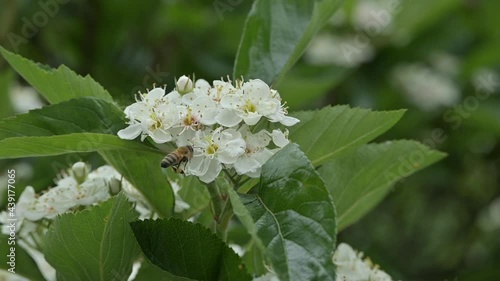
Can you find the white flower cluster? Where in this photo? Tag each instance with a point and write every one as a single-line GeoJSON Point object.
{"type": "Point", "coordinates": [426, 87]}
{"type": "Point", "coordinates": [352, 267]}
{"type": "Point", "coordinates": [76, 187]}
{"type": "Point", "coordinates": [216, 120]}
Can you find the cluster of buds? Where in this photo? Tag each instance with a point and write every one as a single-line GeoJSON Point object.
{"type": "Point", "coordinates": [218, 121]}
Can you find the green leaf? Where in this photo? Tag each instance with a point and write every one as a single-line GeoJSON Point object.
{"type": "Point", "coordinates": [74, 116]}
{"type": "Point", "coordinates": [149, 271]}
{"type": "Point", "coordinates": [61, 144]}
{"type": "Point", "coordinates": [327, 133]}
{"type": "Point", "coordinates": [275, 35]}
{"type": "Point", "coordinates": [56, 85]}
{"type": "Point", "coordinates": [6, 78]}
{"type": "Point", "coordinates": [188, 250]}
{"type": "Point", "coordinates": [295, 217]}
{"type": "Point", "coordinates": [94, 244]}
{"type": "Point", "coordinates": [242, 213]}
{"type": "Point", "coordinates": [134, 161]}
{"type": "Point", "coordinates": [192, 191]}
{"type": "Point", "coordinates": [360, 180]}
{"type": "Point", "coordinates": [24, 264]}
{"type": "Point", "coordinates": [142, 170]}
{"type": "Point", "coordinates": [303, 86]}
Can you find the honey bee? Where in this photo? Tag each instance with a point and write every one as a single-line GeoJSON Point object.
{"type": "Point", "coordinates": [178, 157]}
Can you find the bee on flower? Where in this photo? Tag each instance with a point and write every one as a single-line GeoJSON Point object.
{"type": "Point", "coordinates": [217, 121]}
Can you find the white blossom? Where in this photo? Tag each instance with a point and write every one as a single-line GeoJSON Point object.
{"type": "Point", "coordinates": [212, 119]}
{"type": "Point", "coordinates": [212, 149]}
{"type": "Point", "coordinates": [351, 266]}
{"type": "Point", "coordinates": [426, 87]}
{"type": "Point", "coordinates": [180, 204]}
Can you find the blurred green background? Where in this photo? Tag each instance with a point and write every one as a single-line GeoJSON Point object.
{"type": "Point", "coordinates": [439, 59]}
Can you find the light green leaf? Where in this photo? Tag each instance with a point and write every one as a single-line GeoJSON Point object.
{"type": "Point", "coordinates": [360, 180]}
{"type": "Point", "coordinates": [327, 133]}
{"type": "Point", "coordinates": [275, 35]}
{"type": "Point", "coordinates": [61, 144]}
{"type": "Point", "coordinates": [56, 85]}
{"type": "Point", "coordinates": [188, 250]}
{"type": "Point", "coordinates": [242, 212]}
{"type": "Point", "coordinates": [295, 217]}
{"type": "Point", "coordinates": [75, 116]}
{"type": "Point", "coordinates": [94, 244]}
{"type": "Point", "coordinates": [24, 265]}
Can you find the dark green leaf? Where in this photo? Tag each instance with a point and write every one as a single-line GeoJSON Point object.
{"type": "Point", "coordinates": [360, 180]}
{"type": "Point", "coordinates": [149, 271]}
{"type": "Point", "coordinates": [56, 85]}
{"type": "Point", "coordinates": [295, 217]}
{"type": "Point", "coordinates": [61, 144]}
{"type": "Point", "coordinates": [94, 244]}
{"type": "Point", "coordinates": [24, 265]}
{"type": "Point", "coordinates": [276, 33]}
{"type": "Point", "coordinates": [327, 133]}
{"type": "Point", "coordinates": [188, 250]}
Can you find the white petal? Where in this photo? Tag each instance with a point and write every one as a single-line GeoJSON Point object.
{"type": "Point", "coordinates": [252, 118]}
{"type": "Point", "coordinates": [198, 165]}
{"type": "Point", "coordinates": [246, 164]}
{"type": "Point", "coordinates": [131, 132]}
{"type": "Point", "coordinates": [228, 118]}
{"type": "Point", "coordinates": [257, 89]}
{"type": "Point", "coordinates": [289, 121]}
{"type": "Point", "coordinates": [202, 84]}
{"type": "Point", "coordinates": [279, 138]}
{"type": "Point", "coordinates": [160, 136]}
{"type": "Point", "coordinates": [213, 171]}
{"type": "Point", "coordinates": [156, 93]}
{"type": "Point", "coordinates": [232, 101]}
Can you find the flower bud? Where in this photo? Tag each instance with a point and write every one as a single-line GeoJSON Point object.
{"type": "Point", "coordinates": [184, 85]}
{"type": "Point", "coordinates": [80, 171]}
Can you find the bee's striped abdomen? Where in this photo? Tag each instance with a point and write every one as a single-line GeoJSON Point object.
{"type": "Point", "coordinates": [169, 160]}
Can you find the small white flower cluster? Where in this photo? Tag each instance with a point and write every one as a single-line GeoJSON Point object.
{"type": "Point", "coordinates": [426, 87]}
{"type": "Point", "coordinates": [216, 120]}
{"type": "Point", "coordinates": [352, 267]}
{"type": "Point", "coordinates": [76, 187]}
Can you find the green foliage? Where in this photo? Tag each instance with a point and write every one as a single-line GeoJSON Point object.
{"type": "Point", "coordinates": [80, 115]}
{"type": "Point", "coordinates": [71, 248]}
{"type": "Point", "coordinates": [6, 79]}
{"type": "Point", "coordinates": [361, 179]}
{"type": "Point", "coordinates": [57, 85]}
{"type": "Point", "coordinates": [193, 192]}
{"type": "Point", "coordinates": [62, 144]}
{"type": "Point", "coordinates": [25, 265]}
{"type": "Point", "coordinates": [276, 33]}
{"type": "Point", "coordinates": [142, 170]}
{"type": "Point", "coordinates": [357, 176]}
{"type": "Point", "coordinates": [327, 133]}
{"type": "Point", "coordinates": [188, 250]}
{"type": "Point", "coordinates": [149, 271]}
{"type": "Point", "coordinates": [295, 217]}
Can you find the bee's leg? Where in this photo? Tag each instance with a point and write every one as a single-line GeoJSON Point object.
{"type": "Point", "coordinates": [175, 167]}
